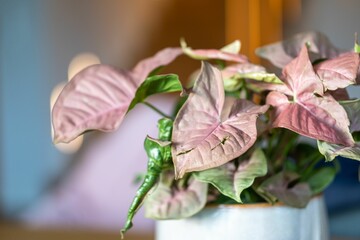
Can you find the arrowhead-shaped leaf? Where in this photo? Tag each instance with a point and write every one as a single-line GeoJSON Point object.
{"type": "Point", "coordinates": [171, 203]}
{"type": "Point", "coordinates": [99, 96]}
{"type": "Point", "coordinates": [227, 53]}
{"type": "Point", "coordinates": [154, 85]}
{"type": "Point", "coordinates": [281, 186]}
{"type": "Point", "coordinates": [205, 136]}
{"type": "Point", "coordinates": [318, 115]}
{"type": "Point", "coordinates": [281, 53]}
{"type": "Point", "coordinates": [338, 72]}
{"type": "Point", "coordinates": [300, 77]}
{"type": "Point", "coordinates": [231, 181]}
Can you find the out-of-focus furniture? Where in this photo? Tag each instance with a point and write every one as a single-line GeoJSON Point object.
{"type": "Point", "coordinates": [9, 231]}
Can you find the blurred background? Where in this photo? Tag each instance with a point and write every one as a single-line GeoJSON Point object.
{"type": "Point", "coordinates": [83, 190]}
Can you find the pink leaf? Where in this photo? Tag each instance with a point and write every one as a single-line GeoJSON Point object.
{"type": "Point", "coordinates": [176, 202]}
{"type": "Point", "coordinates": [320, 117]}
{"type": "Point", "coordinates": [338, 72]}
{"type": "Point", "coordinates": [281, 53]}
{"type": "Point", "coordinates": [205, 136]}
{"type": "Point", "coordinates": [340, 94]}
{"type": "Point", "coordinates": [300, 77]}
{"type": "Point", "coordinates": [161, 58]}
{"type": "Point", "coordinates": [281, 186]}
{"type": "Point", "coordinates": [98, 97]}
{"type": "Point", "coordinates": [358, 77]}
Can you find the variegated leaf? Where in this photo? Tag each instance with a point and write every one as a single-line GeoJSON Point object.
{"type": "Point", "coordinates": [310, 112]}
{"type": "Point", "coordinates": [174, 203]}
{"type": "Point", "coordinates": [231, 180]}
{"type": "Point", "coordinates": [331, 151]}
{"type": "Point", "coordinates": [205, 136]}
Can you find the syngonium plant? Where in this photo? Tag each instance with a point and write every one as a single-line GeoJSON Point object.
{"type": "Point", "coordinates": [234, 137]}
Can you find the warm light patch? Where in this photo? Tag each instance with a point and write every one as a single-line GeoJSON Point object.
{"type": "Point", "coordinates": [80, 62]}
{"type": "Point", "coordinates": [74, 145]}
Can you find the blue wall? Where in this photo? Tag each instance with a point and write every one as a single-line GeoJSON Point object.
{"type": "Point", "coordinates": [28, 159]}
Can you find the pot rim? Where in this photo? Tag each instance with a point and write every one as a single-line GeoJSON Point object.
{"type": "Point", "coordinates": [255, 205]}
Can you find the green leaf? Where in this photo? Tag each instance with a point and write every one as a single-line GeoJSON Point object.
{"type": "Point", "coordinates": [231, 180]}
{"type": "Point", "coordinates": [331, 151]}
{"type": "Point", "coordinates": [284, 187]}
{"type": "Point", "coordinates": [154, 85]}
{"type": "Point", "coordinates": [165, 126]}
{"type": "Point", "coordinates": [305, 154]}
{"type": "Point", "coordinates": [321, 178]}
{"type": "Point", "coordinates": [356, 136]}
{"type": "Point", "coordinates": [174, 202]}
{"type": "Point", "coordinates": [159, 154]}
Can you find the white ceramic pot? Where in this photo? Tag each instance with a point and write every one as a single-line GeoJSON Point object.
{"type": "Point", "coordinates": [250, 222]}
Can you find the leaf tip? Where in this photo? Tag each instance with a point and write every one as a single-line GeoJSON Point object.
{"type": "Point", "coordinates": [57, 139]}
{"type": "Point", "coordinates": [122, 233]}
{"type": "Point", "coordinates": [179, 173]}
{"type": "Point", "coordinates": [356, 44]}
{"type": "Point", "coordinates": [183, 43]}
{"type": "Point", "coordinates": [127, 226]}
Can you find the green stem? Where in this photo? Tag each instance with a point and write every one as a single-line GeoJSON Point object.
{"type": "Point", "coordinates": [316, 157]}
{"type": "Point", "coordinates": [156, 109]}
{"type": "Point", "coordinates": [286, 142]}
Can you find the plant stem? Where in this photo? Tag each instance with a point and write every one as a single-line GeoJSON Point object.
{"type": "Point", "coordinates": [285, 144]}
{"type": "Point", "coordinates": [308, 170]}
{"type": "Point", "coordinates": [156, 109]}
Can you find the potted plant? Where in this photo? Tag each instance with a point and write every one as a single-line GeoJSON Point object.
{"type": "Point", "coordinates": [234, 137]}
